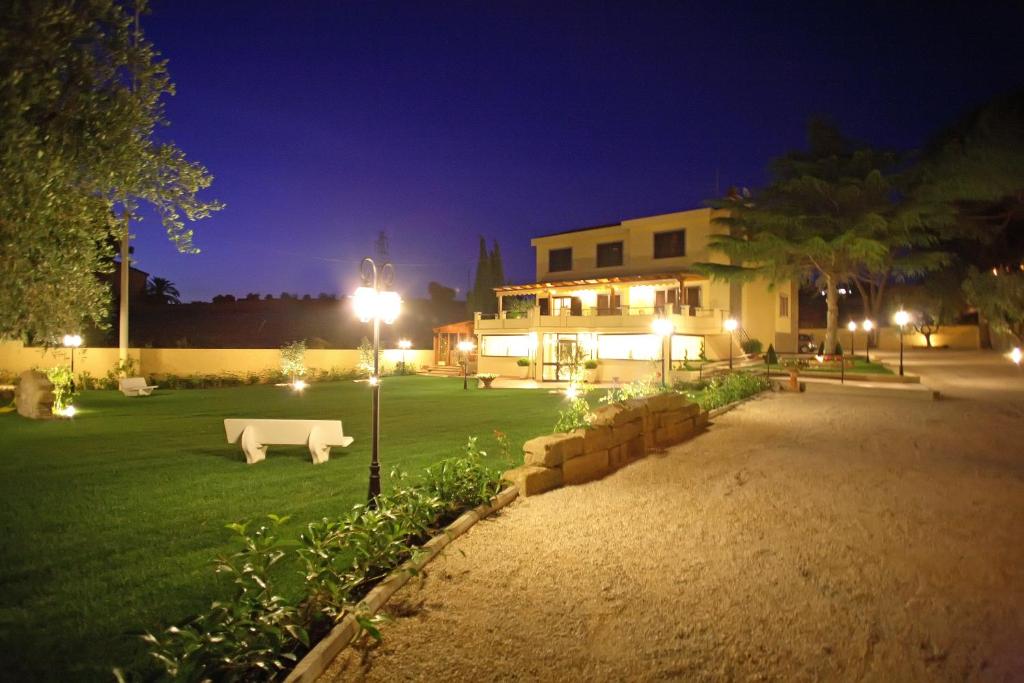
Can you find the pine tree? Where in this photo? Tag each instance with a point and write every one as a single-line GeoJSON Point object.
{"type": "Point", "coordinates": [481, 299]}
{"type": "Point", "coordinates": [497, 268]}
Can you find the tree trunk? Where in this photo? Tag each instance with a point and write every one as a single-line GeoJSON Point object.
{"type": "Point", "coordinates": [832, 318]}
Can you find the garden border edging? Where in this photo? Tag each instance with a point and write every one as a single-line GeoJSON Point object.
{"type": "Point", "coordinates": [323, 653]}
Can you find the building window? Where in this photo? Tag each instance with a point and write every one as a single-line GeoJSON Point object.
{"type": "Point", "coordinates": [783, 306]}
{"type": "Point", "coordinates": [670, 244]}
{"type": "Point", "coordinates": [515, 345]}
{"type": "Point", "coordinates": [629, 347]}
{"type": "Point", "coordinates": [692, 297]}
{"type": "Point", "coordinates": [560, 259]}
{"type": "Point", "coordinates": [609, 254]}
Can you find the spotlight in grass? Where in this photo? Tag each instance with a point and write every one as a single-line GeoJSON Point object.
{"type": "Point", "coordinates": [571, 392]}
{"type": "Point", "coordinates": [69, 411]}
{"type": "Point", "coordinates": [299, 385]}
{"type": "Point", "coordinates": [374, 380]}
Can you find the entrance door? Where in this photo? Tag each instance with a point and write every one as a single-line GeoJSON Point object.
{"type": "Point", "coordinates": [560, 350]}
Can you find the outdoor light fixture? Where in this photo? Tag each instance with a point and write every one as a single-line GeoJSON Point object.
{"type": "Point", "coordinates": [465, 348]}
{"type": "Point", "coordinates": [571, 392]}
{"type": "Point", "coordinates": [664, 328]}
{"type": "Point", "coordinates": [72, 341]}
{"type": "Point", "coordinates": [299, 384]}
{"type": "Point", "coordinates": [1016, 356]}
{"type": "Point", "coordinates": [405, 345]}
{"type": "Point", "coordinates": [868, 325]}
{"type": "Point", "coordinates": [373, 302]}
{"type": "Point", "coordinates": [69, 411]}
{"type": "Point", "coordinates": [730, 326]}
{"type": "Point", "coordinates": [852, 327]}
{"type": "Point", "coordinates": [901, 318]}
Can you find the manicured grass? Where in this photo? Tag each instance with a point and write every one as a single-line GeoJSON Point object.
{"type": "Point", "coordinates": [110, 520]}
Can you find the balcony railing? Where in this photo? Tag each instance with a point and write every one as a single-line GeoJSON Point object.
{"type": "Point", "coordinates": [685, 318]}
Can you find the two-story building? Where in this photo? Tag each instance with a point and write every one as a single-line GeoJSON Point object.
{"type": "Point", "coordinates": [599, 291]}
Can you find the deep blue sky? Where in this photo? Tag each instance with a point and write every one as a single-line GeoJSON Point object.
{"type": "Point", "coordinates": [326, 122]}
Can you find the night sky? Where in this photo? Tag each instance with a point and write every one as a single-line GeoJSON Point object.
{"type": "Point", "coordinates": [324, 123]}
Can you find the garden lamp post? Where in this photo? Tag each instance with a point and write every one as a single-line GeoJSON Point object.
{"type": "Point", "coordinates": [664, 328]}
{"type": "Point", "coordinates": [72, 341]}
{"type": "Point", "coordinates": [902, 318]}
{"type": "Point", "coordinates": [868, 325]}
{"type": "Point", "coordinates": [730, 326]}
{"type": "Point", "coordinates": [465, 347]}
{"type": "Point", "coordinates": [373, 302]}
{"type": "Point", "coordinates": [405, 345]}
{"type": "Point", "coordinates": [852, 327]}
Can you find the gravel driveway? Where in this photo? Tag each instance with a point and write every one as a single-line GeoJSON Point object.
{"type": "Point", "coordinates": [817, 536]}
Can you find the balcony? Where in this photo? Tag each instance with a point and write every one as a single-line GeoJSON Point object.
{"type": "Point", "coordinates": [685, 319]}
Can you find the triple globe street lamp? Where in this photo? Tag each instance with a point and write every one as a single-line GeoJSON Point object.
{"type": "Point", "coordinates": [373, 302]}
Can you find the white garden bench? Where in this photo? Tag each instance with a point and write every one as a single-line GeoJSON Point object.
{"type": "Point", "coordinates": [135, 386]}
{"type": "Point", "coordinates": [256, 435]}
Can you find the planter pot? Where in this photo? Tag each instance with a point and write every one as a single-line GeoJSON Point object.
{"type": "Point", "coordinates": [591, 376]}
{"type": "Point", "coordinates": [484, 382]}
{"type": "Point", "coordinates": [524, 372]}
{"type": "Point", "coordinates": [794, 380]}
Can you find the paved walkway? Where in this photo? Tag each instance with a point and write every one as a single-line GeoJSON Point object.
{"type": "Point", "coordinates": [827, 535]}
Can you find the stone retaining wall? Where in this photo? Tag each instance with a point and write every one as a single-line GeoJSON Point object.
{"type": "Point", "coordinates": [618, 435]}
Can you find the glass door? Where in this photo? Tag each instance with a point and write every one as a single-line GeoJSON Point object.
{"type": "Point", "coordinates": [559, 352]}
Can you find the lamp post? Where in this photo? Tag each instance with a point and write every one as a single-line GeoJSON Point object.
{"type": "Point", "coordinates": [868, 325]}
{"type": "Point", "coordinates": [72, 341]}
{"type": "Point", "coordinates": [405, 345]}
{"type": "Point", "coordinates": [664, 328]}
{"type": "Point", "coordinates": [1016, 356]}
{"type": "Point", "coordinates": [902, 318]}
{"type": "Point", "coordinates": [373, 302]}
{"type": "Point", "coordinates": [730, 326]}
{"type": "Point", "coordinates": [465, 347]}
{"type": "Point", "coordinates": [852, 327]}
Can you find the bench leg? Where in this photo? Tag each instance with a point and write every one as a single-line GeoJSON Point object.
{"type": "Point", "coordinates": [254, 452]}
{"type": "Point", "coordinates": [319, 451]}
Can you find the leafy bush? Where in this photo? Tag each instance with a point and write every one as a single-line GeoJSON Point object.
{"type": "Point", "coordinates": [590, 364]}
{"type": "Point", "coordinates": [523, 362]}
{"type": "Point", "coordinates": [64, 390]}
{"type": "Point", "coordinates": [638, 388]}
{"type": "Point", "coordinates": [726, 389]}
{"type": "Point", "coordinates": [772, 358]}
{"type": "Point", "coordinates": [293, 360]}
{"type": "Point", "coordinates": [257, 635]}
{"type": "Point", "coordinates": [576, 416]}
{"type": "Point", "coordinates": [751, 346]}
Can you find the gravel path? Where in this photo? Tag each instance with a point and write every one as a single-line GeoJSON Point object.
{"type": "Point", "coordinates": [815, 536]}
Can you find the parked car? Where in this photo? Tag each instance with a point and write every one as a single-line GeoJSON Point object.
{"type": "Point", "coordinates": [805, 344]}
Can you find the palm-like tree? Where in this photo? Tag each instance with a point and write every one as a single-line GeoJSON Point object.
{"type": "Point", "coordinates": [162, 291]}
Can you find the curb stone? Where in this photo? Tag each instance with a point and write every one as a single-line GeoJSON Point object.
{"type": "Point", "coordinates": [320, 657]}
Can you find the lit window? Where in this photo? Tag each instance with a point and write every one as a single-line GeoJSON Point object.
{"type": "Point", "coordinates": [670, 244]}
{"type": "Point", "coordinates": [560, 259]}
{"type": "Point", "coordinates": [783, 306]}
{"type": "Point", "coordinates": [515, 345]}
{"type": "Point", "coordinates": [629, 346]}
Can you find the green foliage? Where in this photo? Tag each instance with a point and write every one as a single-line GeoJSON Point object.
{"type": "Point", "coordinates": [293, 359]}
{"type": "Point", "coordinates": [577, 416]}
{"type": "Point", "coordinates": [82, 99]}
{"type": "Point", "coordinates": [365, 365]}
{"type": "Point", "coordinates": [839, 349]}
{"type": "Point", "coordinates": [258, 635]}
{"type": "Point", "coordinates": [64, 390]}
{"type": "Point", "coordinates": [490, 273]}
{"type": "Point", "coordinates": [751, 346]}
{"type": "Point", "coordinates": [772, 357]}
{"type": "Point", "coordinates": [638, 388]}
{"type": "Point", "coordinates": [999, 299]}
{"type": "Point", "coordinates": [162, 291]}
{"type": "Point", "coordinates": [726, 389]}
{"type": "Point", "coordinates": [523, 362]}
{"type": "Point", "coordinates": [590, 364]}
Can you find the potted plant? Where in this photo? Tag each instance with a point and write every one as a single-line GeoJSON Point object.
{"type": "Point", "coordinates": [485, 379]}
{"type": "Point", "coordinates": [524, 368]}
{"type": "Point", "coordinates": [590, 367]}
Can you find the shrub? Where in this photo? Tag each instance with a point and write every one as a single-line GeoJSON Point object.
{"type": "Point", "coordinates": [293, 360]}
{"type": "Point", "coordinates": [523, 362]}
{"type": "Point", "coordinates": [726, 389]}
{"type": "Point", "coordinates": [64, 390]}
{"type": "Point", "coordinates": [638, 388]}
{"type": "Point", "coordinates": [576, 416]}
{"type": "Point", "coordinates": [590, 364]}
{"type": "Point", "coordinates": [751, 346]}
{"type": "Point", "coordinates": [772, 358]}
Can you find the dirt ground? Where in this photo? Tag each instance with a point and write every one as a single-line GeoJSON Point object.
{"type": "Point", "coordinates": [825, 536]}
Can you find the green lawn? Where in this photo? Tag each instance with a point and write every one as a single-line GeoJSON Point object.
{"type": "Point", "coordinates": [110, 520]}
{"type": "Point", "coordinates": [860, 366]}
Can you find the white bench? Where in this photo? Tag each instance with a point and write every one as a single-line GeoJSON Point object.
{"type": "Point", "coordinates": [256, 435]}
{"type": "Point", "coordinates": [135, 386]}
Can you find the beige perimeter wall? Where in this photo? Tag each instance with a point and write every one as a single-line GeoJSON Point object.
{"type": "Point", "coordinates": [953, 336]}
{"type": "Point", "coordinates": [15, 358]}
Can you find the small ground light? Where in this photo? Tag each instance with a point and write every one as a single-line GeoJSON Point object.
{"type": "Point", "coordinates": [374, 381]}
{"type": "Point", "coordinates": [571, 392]}
{"type": "Point", "coordinates": [299, 385]}
{"type": "Point", "coordinates": [69, 411]}
{"type": "Point", "coordinates": [1016, 355]}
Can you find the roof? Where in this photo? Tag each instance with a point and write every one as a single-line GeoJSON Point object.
{"type": "Point", "coordinates": [616, 224]}
{"type": "Point", "coordinates": [617, 279]}
{"type": "Point", "coordinates": [466, 326]}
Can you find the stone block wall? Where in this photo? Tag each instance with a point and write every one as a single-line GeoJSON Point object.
{"type": "Point", "coordinates": [618, 435]}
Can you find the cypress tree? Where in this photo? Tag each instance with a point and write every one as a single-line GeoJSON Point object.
{"type": "Point", "coordinates": [482, 299]}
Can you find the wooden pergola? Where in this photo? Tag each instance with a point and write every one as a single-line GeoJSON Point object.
{"type": "Point", "coordinates": [446, 342]}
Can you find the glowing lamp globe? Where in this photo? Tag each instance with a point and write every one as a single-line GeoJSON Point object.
{"type": "Point", "coordinates": [868, 325]}
{"type": "Point", "coordinates": [730, 325]}
{"type": "Point", "coordinates": [72, 340]}
{"type": "Point", "coordinates": [662, 327]}
{"type": "Point", "coordinates": [404, 344]}
{"type": "Point", "coordinates": [364, 301]}
{"type": "Point", "coordinates": [851, 326]}
{"type": "Point", "coordinates": [390, 305]}
{"type": "Point", "coordinates": [466, 346]}
{"type": "Point", "coordinates": [1016, 355]}
{"type": "Point", "coordinates": [902, 318]}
